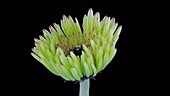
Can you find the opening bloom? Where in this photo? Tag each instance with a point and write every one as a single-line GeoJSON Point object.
{"type": "Point", "coordinates": [76, 53]}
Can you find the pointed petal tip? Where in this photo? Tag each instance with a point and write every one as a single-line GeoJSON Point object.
{"type": "Point", "coordinates": [64, 17]}
{"type": "Point", "coordinates": [97, 13]}
{"type": "Point", "coordinates": [44, 30]}
{"type": "Point", "coordinates": [116, 23]}
{"type": "Point", "coordinates": [69, 17]}
{"type": "Point", "coordinates": [50, 27]}
{"type": "Point", "coordinates": [120, 27]}
{"type": "Point", "coordinates": [113, 19]}
{"type": "Point", "coordinates": [36, 40]}
{"type": "Point", "coordinates": [90, 12]}
{"type": "Point", "coordinates": [54, 24]}
{"type": "Point", "coordinates": [72, 53]}
{"type": "Point", "coordinates": [90, 9]}
{"type": "Point", "coordinates": [31, 53]}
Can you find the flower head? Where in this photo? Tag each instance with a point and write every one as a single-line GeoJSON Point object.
{"type": "Point", "coordinates": [75, 53]}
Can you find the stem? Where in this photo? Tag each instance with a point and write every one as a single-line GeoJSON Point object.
{"type": "Point", "coordinates": [84, 88]}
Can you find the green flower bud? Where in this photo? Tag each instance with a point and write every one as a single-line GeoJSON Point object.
{"type": "Point", "coordinates": [75, 54]}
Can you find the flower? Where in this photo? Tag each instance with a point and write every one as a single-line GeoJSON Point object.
{"type": "Point", "coordinates": [76, 53]}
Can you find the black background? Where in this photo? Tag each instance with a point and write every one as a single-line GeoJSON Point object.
{"type": "Point", "coordinates": [130, 73]}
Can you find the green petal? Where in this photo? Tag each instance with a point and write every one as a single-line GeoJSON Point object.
{"type": "Point", "coordinates": [76, 63]}
{"type": "Point", "coordinates": [75, 73]}
{"type": "Point", "coordinates": [90, 20]}
{"type": "Point", "coordinates": [42, 45]}
{"type": "Point", "coordinates": [71, 25]}
{"type": "Point", "coordinates": [97, 22]}
{"type": "Point", "coordinates": [102, 25]}
{"type": "Point", "coordinates": [47, 35]}
{"type": "Point", "coordinates": [88, 61]}
{"type": "Point", "coordinates": [48, 66]}
{"type": "Point", "coordinates": [57, 60]}
{"type": "Point", "coordinates": [104, 30]}
{"type": "Point", "coordinates": [63, 59]}
{"type": "Point", "coordinates": [55, 39]}
{"type": "Point", "coordinates": [74, 57]}
{"type": "Point", "coordinates": [99, 55]}
{"type": "Point", "coordinates": [117, 33]}
{"type": "Point", "coordinates": [105, 61]}
{"type": "Point", "coordinates": [82, 62]}
{"type": "Point", "coordinates": [99, 65]}
{"type": "Point", "coordinates": [62, 74]}
{"type": "Point", "coordinates": [111, 23]}
{"type": "Point", "coordinates": [36, 56]}
{"type": "Point", "coordinates": [34, 49]}
{"type": "Point", "coordinates": [85, 24]}
{"type": "Point", "coordinates": [43, 39]}
{"type": "Point", "coordinates": [78, 26]}
{"type": "Point", "coordinates": [53, 65]}
{"type": "Point", "coordinates": [112, 54]}
{"type": "Point", "coordinates": [60, 51]}
{"type": "Point", "coordinates": [87, 50]}
{"type": "Point", "coordinates": [40, 51]}
{"type": "Point", "coordinates": [53, 31]}
{"type": "Point", "coordinates": [78, 68]}
{"type": "Point", "coordinates": [67, 73]}
{"type": "Point", "coordinates": [93, 45]}
{"type": "Point", "coordinates": [64, 62]}
{"type": "Point", "coordinates": [107, 48]}
{"type": "Point", "coordinates": [49, 54]}
{"type": "Point", "coordinates": [37, 46]}
{"type": "Point", "coordinates": [94, 70]}
{"type": "Point", "coordinates": [112, 30]}
{"type": "Point", "coordinates": [103, 41]}
{"type": "Point", "coordinates": [41, 55]}
{"type": "Point", "coordinates": [107, 26]}
{"type": "Point", "coordinates": [65, 27]}
{"type": "Point", "coordinates": [109, 37]}
{"type": "Point", "coordinates": [70, 61]}
{"type": "Point", "coordinates": [68, 25]}
{"type": "Point", "coordinates": [52, 47]}
{"type": "Point", "coordinates": [86, 69]}
{"type": "Point", "coordinates": [78, 29]}
{"type": "Point", "coordinates": [57, 27]}
{"type": "Point", "coordinates": [43, 49]}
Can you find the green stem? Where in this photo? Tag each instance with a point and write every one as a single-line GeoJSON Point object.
{"type": "Point", "coordinates": [84, 87]}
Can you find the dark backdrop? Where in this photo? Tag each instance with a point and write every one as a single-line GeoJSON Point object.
{"type": "Point", "coordinates": [129, 73]}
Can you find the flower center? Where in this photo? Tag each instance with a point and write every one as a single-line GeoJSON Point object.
{"type": "Point", "coordinates": [74, 43]}
{"type": "Point", "coordinates": [78, 50]}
